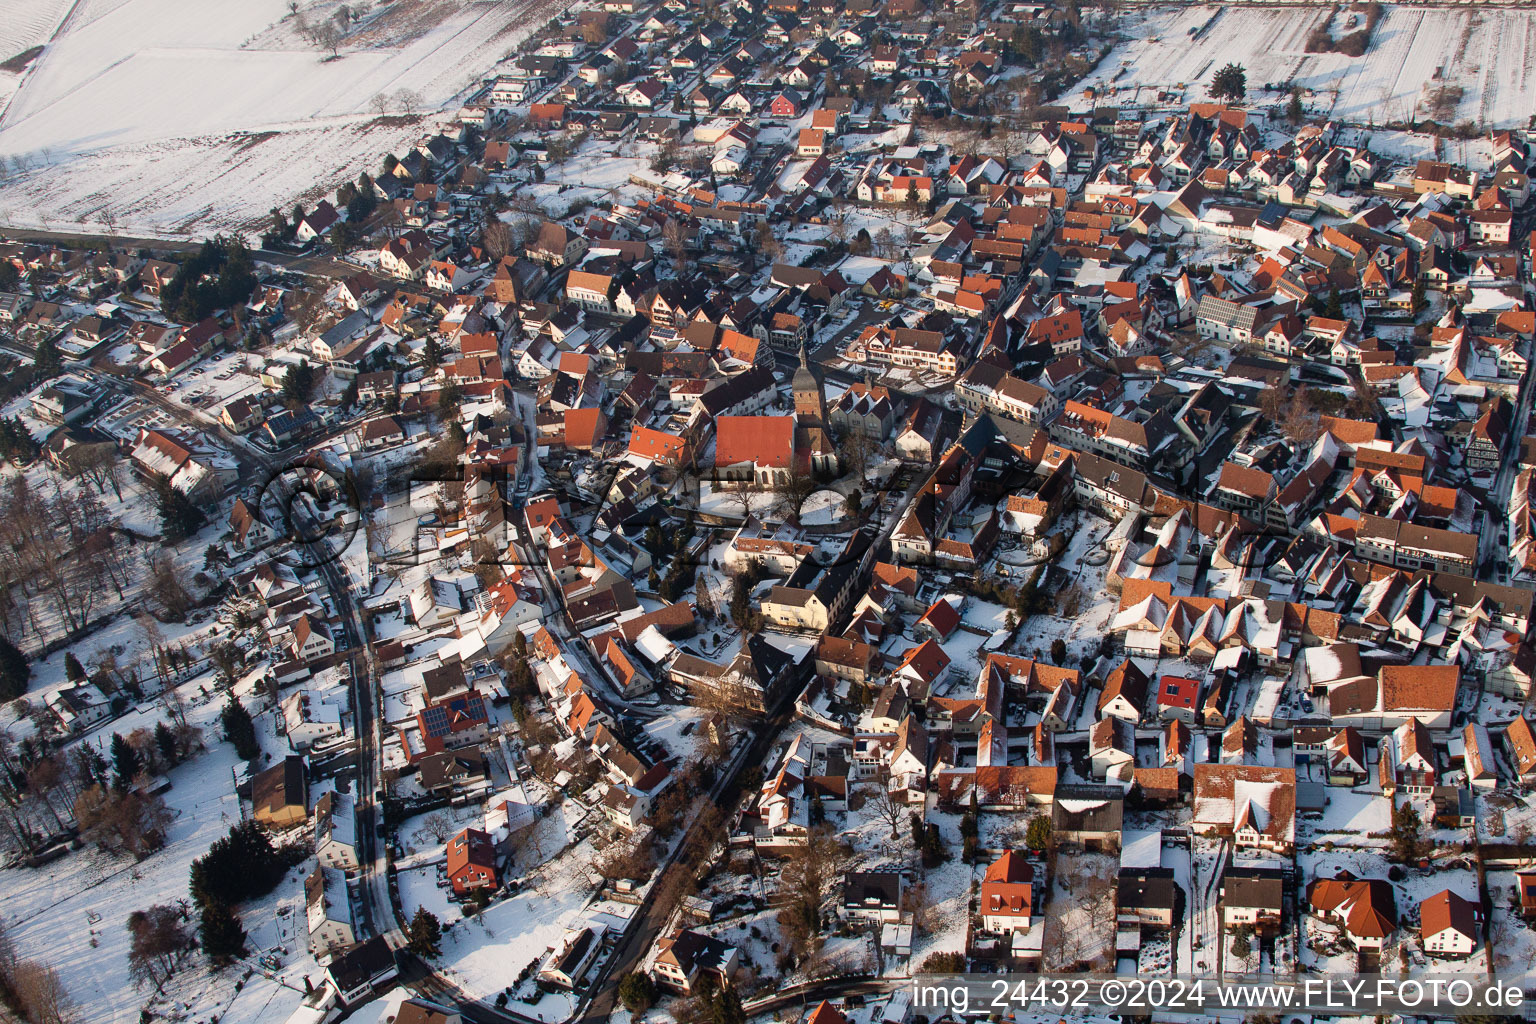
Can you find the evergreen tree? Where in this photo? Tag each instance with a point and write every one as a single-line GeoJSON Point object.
{"type": "Point", "coordinates": [242, 865]}
{"type": "Point", "coordinates": [1242, 945]}
{"type": "Point", "coordinates": [1334, 310]}
{"type": "Point", "coordinates": [1037, 836]}
{"type": "Point", "coordinates": [125, 763]}
{"type": "Point", "coordinates": [73, 670]}
{"type": "Point", "coordinates": [424, 934]}
{"type": "Point", "coordinates": [432, 352]}
{"type": "Point", "coordinates": [15, 672]}
{"type": "Point", "coordinates": [1407, 835]}
{"type": "Point", "coordinates": [223, 936]}
{"type": "Point", "coordinates": [16, 442]}
{"type": "Point", "coordinates": [361, 206]}
{"type": "Point", "coordinates": [637, 992]}
{"type": "Point", "coordinates": [240, 730]}
{"type": "Point", "coordinates": [1293, 110]}
{"type": "Point", "coordinates": [725, 1006]}
{"type": "Point", "coordinates": [221, 274]}
{"type": "Point", "coordinates": [91, 764]}
{"type": "Point", "coordinates": [1230, 83]}
{"type": "Point", "coordinates": [299, 382]}
{"type": "Point", "coordinates": [237, 278]}
{"type": "Point", "coordinates": [449, 399]}
{"type": "Point", "coordinates": [179, 515]}
{"type": "Point", "coordinates": [46, 361]}
{"type": "Point", "coordinates": [165, 742]}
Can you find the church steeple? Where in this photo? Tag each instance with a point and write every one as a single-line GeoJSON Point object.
{"type": "Point", "coordinates": [810, 403]}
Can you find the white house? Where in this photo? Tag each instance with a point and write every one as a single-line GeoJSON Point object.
{"type": "Point", "coordinates": [1449, 925]}
{"type": "Point", "coordinates": [329, 912]}
{"type": "Point", "coordinates": [308, 720]}
{"type": "Point", "coordinates": [311, 639]}
{"type": "Point", "coordinates": [336, 831]}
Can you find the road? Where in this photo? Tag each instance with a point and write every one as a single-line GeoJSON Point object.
{"type": "Point", "coordinates": [646, 924]}
{"type": "Point", "coordinates": [315, 264]}
{"type": "Point", "coordinates": [652, 918]}
{"type": "Point", "coordinates": [814, 992]}
{"type": "Point", "coordinates": [378, 914]}
{"type": "Point", "coordinates": [1495, 539]}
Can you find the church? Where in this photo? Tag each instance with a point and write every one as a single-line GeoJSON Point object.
{"type": "Point", "coordinates": [811, 427]}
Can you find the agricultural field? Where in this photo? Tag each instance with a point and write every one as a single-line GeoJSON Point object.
{"type": "Point", "coordinates": [24, 26]}
{"type": "Point", "coordinates": [168, 117]}
{"type": "Point", "coordinates": [1451, 64]}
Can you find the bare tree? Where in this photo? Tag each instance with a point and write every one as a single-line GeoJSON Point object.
{"type": "Point", "coordinates": [228, 660]}
{"type": "Point", "coordinates": [408, 100]}
{"type": "Point", "coordinates": [1299, 422]}
{"type": "Point", "coordinates": [886, 805]}
{"type": "Point", "coordinates": [327, 36]}
{"type": "Point", "coordinates": [809, 874]}
{"type": "Point", "coordinates": [122, 823]}
{"type": "Point", "coordinates": [857, 447]}
{"type": "Point", "coordinates": [42, 995]}
{"type": "Point", "coordinates": [674, 238]}
{"type": "Point", "coordinates": [625, 859]}
{"type": "Point", "coordinates": [161, 943]}
{"type": "Point", "coordinates": [496, 239]}
{"type": "Point", "coordinates": [166, 587]}
{"type": "Point", "coordinates": [731, 696]}
{"type": "Point", "coordinates": [379, 103]}
{"type": "Point", "coordinates": [797, 486]}
{"type": "Point", "coordinates": [767, 242]}
{"type": "Point", "coordinates": [305, 307]}
{"type": "Point", "coordinates": [437, 825]}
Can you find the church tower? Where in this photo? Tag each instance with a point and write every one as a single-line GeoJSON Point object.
{"type": "Point", "coordinates": [810, 402]}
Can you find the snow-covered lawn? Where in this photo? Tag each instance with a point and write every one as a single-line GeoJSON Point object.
{"type": "Point", "coordinates": [1513, 941]}
{"type": "Point", "coordinates": [483, 954]}
{"type": "Point", "coordinates": [1079, 917]}
{"type": "Point", "coordinates": [73, 913]}
{"type": "Point", "coordinates": [823, 508]}
{"type": "Point", "coordinates": [1351, 815]}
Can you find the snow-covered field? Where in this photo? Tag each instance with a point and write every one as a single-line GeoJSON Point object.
{"type": "Point", "coordinates": [1489, 52]}
{"type": "Point", "coordinates": [180, 116]}
{"type": "Point", "coordinates": [24, 24]}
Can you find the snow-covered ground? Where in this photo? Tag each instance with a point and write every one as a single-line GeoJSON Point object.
{"type": "Point", "coordinates": [24, 24]}
{"type": "Point", "coordinates": [73, 912]}
{"type": "Point", "coordinates": [111, 130]}
{"type": "Point", "coordinates": [1489, 52]}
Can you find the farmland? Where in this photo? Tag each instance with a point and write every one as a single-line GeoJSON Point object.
{"type": "Point", "coordinates": [1169, 54]}
{"type": "Point", "coordinates": [174, 118]}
